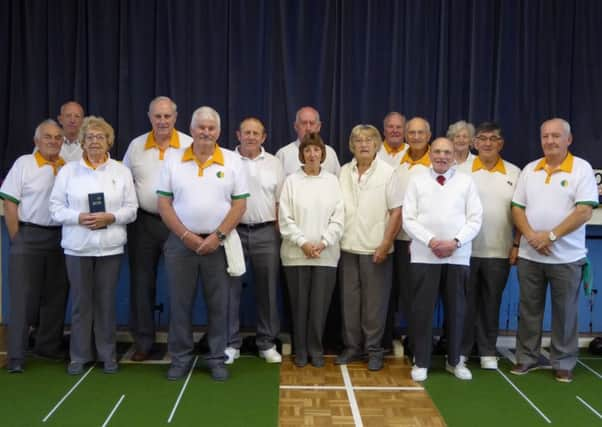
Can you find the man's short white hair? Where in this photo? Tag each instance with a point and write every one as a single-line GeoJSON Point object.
{"type": "Point", "coordinates": [565, 125]}
{"type": "Point", "coordinates": [36, 134]}
{"type": "Point", "coordinates": [174, 107]}
{"type": "Point", "coordinates": [205, 112]}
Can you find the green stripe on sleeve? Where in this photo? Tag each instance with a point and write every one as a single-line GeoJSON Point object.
{"type": "Point", "coordinates": [240, 196]}
{"type": "Point", "coordinates": [9, 198]}
{"type": "Point", "coordinates": [518, 205]}
{"type": "Point", "coordinates": [588, 203]}
{"type": "Point", "coordinates": [164, 193]}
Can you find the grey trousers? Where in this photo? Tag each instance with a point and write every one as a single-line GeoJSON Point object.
{"type": "Point", "coordinates": [365, 291]}
{"type": "Point", "coordinates": [310, 291]}
{"type": "Point", "coordinates": [564, 280]}
{"type": "Point", "coordinates": [146, 237]}
{"type": "Point", "coordinates": [486, 284]}
{"type": "Point", "coordinates": [427, 281]}
{"type": "Point", "coordinates": [184, 268]}
{"type": "Point", "coordinates": [261, 248]}
{"type": "Point", "coordinates": [38, 290]}
{"type": "Point", "coordinates": [94, 308]}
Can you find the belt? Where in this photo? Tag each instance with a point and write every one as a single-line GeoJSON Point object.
{"type": "Point", "coordinates": [257, 225]}
{"type": "Point", "coordinates": [45, 227]}
{"type": "Point", "coordinates": [142, 211]}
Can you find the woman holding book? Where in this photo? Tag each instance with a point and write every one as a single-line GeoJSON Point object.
{"type": "Point", "coordinates": [93, 199]}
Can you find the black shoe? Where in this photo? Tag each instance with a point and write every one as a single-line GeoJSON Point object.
{"type": "Point", "coordinates": [15, 366]}
{"type": "Point", "coordinates": [177, 372]}
{"type": "Point", "coordinates": [219, 373]}
{"type": "Point", "coordinates": [317, 361]}
{"type": "Point", "coordinates": [110, 367]}
{"type": "Point", "coordinates": [375, 362]}
{"type": "Point", "coordinates": [75, 368]}
{"type": "Point", "coordinates": [347, 356]}
{"type": "Point", "coordinates": [300, 360]}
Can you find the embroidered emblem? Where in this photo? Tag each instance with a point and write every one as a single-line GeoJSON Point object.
{"type": "Point", "coordinates": [564, 183]}
{"type": "Point", "coordinates": [219, 174]}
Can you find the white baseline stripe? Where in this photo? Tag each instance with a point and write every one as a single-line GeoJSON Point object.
{"type": "Point", "coordinates": [355, 410]}
{"type": "Point", "coordinates": [175, 406]}
{"type": "Point", "coordinates": [524, 397]}
{"type": "Point", "coordinates": [339, 387]}
{"type": "Point", "coordinates": [67, 395]}
{"type": "Point", "coordinates": [113, 411]}
{"type": "Point", "coordinates": [589, 407]}
{"type": "Point", "coordinates": [384, 388]}
{"type": "Point", "coordinates": [592, 370]}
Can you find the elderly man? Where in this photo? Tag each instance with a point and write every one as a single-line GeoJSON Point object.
{"type": "Point", "coordinates": [394, 147]}
{"type": "Point", "coordinates": [71, 119]}
{"type": "Point", "coordinates": [307, 120]}
{"type": "Point", "coordinates": [147, 235]}
{"type": "Point", "coordinates": [414, 160]}
{"type": "Point", "coordinates": [37, 276]}
{"type": "Point", "coordinates": [552, 202]}
{"type": "Point", "coordinates": [493, 250]}
{"type": "Point", "coordinates": [203, 196]}
{"type": "Point", "coordinates": [442, 214]}
{"type": "Point", "coordinates": [260, 241]}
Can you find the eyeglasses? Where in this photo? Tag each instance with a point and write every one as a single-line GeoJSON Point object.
{"type": "Point", "coordinates": [492, 138]}
{"type": "Point", "coordinates": [98, 136]}
{"type": "Point", "coordinates": [363, 140]}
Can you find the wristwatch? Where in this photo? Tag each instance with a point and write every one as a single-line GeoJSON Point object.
{"type": "Point", "coordinates": [220, 236]}
{"type": "Point", "coordinates": [552, 236]}
{"type": "Point", "coordinates": [458, 244]}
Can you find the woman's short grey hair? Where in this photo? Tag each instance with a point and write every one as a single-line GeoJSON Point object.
{"type": "Point", "coordinates": [455, 128]}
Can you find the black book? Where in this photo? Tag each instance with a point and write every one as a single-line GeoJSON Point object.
{"type": "Point", "coordinates": [96, 202]}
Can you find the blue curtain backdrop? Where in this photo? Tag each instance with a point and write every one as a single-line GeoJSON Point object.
{"type": "Point", "coordinates": [516, 62]}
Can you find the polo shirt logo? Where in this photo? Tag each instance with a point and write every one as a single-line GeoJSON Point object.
{"type": "Point", "coordinates": [219, 174]}
{"type": "Point", "coordinates": [564, 183]}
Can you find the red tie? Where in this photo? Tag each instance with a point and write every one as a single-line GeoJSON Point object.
{"type": "Point", "coordinates": [441, 179]}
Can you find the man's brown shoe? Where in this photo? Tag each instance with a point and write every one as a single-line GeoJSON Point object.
{"type": "Point", "coordinates": [523, 368]}
{"type": "Point", "coordinates": [139, 356]}
{"type": "Point", "coordinates": [563, 375]}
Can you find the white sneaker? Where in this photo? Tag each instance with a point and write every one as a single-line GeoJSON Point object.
{"type": "Point", "coordinates": [231, 355]}
{"type": "Point", "coordinates": [460, 371]}
{"type": "Point", "coordinates": [419, 374]}
{"type": "Point", "coordinates": [271, 355]}
{"type": "Point", "coordinates": [489, 362]}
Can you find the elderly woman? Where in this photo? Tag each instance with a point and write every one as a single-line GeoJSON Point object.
{"type": "Point", "coordinates": [93, 199]}
{"type": "Point", "coordinates": [372, 219]}
{"type": "Point", "coordinates": [461, 134]}
{"type": "Point", "coordinates": [311, 223]}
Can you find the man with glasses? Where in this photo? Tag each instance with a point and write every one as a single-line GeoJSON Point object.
{"type": "Point", "coordinates": [147, 235]}
{"type": "Point", "coordinates": [552, 202]}
{"type": "Point", "coordinates": [493, 250]}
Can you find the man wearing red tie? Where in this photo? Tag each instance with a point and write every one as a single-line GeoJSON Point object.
{"type": "Point", "coordinates": [442, 213]}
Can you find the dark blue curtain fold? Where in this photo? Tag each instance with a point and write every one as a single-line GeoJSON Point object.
{"type": "Point", "coordinates": [516, 62]}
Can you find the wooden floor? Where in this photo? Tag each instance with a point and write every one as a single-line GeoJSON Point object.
{"type": "Point", "coordinates": [353, 396]}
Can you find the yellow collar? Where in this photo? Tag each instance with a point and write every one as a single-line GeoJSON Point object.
{"type": "Point", "coordinates": [393, 151]}
{"type": "Point", "coordinates": [217, 157]}
{"type": "Point", "coordinates": [90, 165]}
{"type": "Point", "coordinates": [151, 142]}
{"type": "Point", "coordinates": [424, 160]}
{"type": "Point", "coordinates": [41, 161]}
{"type": "Point", "coordinates": [565, 166]}
{"type": "Point", "coordinates": [499, 166]}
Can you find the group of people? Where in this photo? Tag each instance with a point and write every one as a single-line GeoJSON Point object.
{"type": "Point", "coordinates": [405, 221]}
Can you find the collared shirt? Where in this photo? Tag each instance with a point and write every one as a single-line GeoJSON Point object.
{"type": "Point", "coordinates": [202, 193]}
{"type": "Point", "coordinates": [71, 150]}
{"type": "Point", "coordinates": [496, 187]}
{"type": "Point", "coordinates": [548, 197]}
{"type": "Point", "coordinates": [144, 158]}
{"type": "Point", "coordinates": [445, 212]}
{"type": "Point", "coordinates": [368, 199]}
{"type": "Point", "coordinates": [69, 198]}
{"type": "Point", "coordinates": [391, 155]}
{"type": "Point", "coordinates": [29, 184]}
{"type": "Point", "coordinates": [289, 157]}
{"type": "Point", "coordinates": [266, 177]}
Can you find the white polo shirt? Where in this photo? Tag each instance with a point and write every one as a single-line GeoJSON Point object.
{"type": "Point", "coordinates": [496, 188]}
{"type": "Point", "coordinates": [368, 200]}
{"type": "Point", "coordinates": [202, 194]}
{"type": "Point", "coordinates": [406, 170]}
{"type": "Point", "coordinates": [311, 210]}
{"type": "Point", "coordinates": [444, 212]}
{"type": "Point", "coordinates": [69, 198]}
{"type": "Point", "coordinates": [71, 150]}
{"type": "Point", "coordinates": [144, 158]}
{"type": "Point", "coordinates": [391, 156]}
{"type": "Point", "coordinates": [29, 184]}
{"type": "Point", "coordinates": [266, 177]}
{"type": "Point", "coordinates": [549, 199]}
{"type": "Point", "coordinates": [289, 157]}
